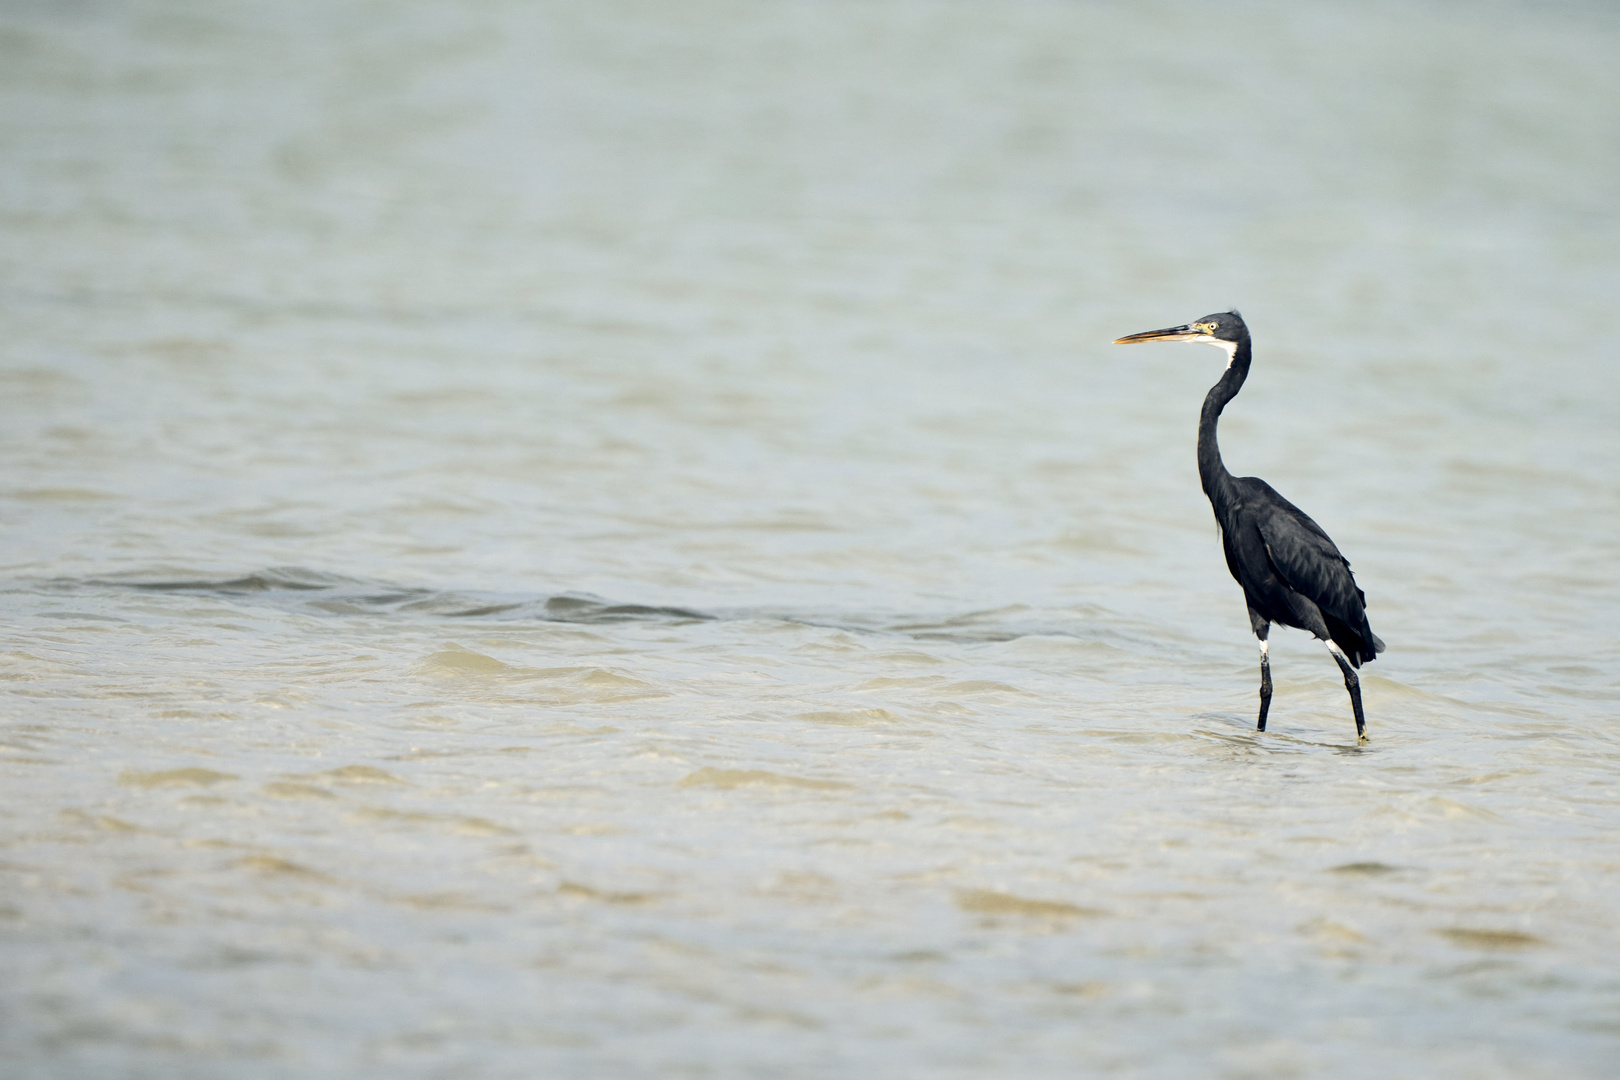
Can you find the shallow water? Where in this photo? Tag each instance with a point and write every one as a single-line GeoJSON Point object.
{"type": "Point", "coordinates": [563, 540]}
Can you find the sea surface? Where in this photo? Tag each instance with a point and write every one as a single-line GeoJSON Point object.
{"type": "Point", "coordinates": [608, 540]}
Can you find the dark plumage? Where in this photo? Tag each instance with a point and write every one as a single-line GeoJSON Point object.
{"type": "Point", "coordinates": [1289, 568]}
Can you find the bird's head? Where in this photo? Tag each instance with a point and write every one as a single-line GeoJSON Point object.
{"type": "Point", "coordinates": [1225, 330]}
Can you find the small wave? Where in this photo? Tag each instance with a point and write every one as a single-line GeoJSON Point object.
{"type": "Point", "coordinates": [337, 594]}
{"type": "Point", "coordinates": [300, 589]}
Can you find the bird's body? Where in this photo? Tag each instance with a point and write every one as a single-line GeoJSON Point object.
{"type": "Point", "coordinates": [1290, 570]}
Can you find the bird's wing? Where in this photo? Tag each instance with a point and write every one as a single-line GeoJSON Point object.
{"type": "Point", "coordinates": [1304, 556]}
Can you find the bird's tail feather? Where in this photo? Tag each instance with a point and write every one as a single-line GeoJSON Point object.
{"type": "Point", "coordinates": [1359, 645]}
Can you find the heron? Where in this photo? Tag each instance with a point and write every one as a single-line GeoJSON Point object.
{"type": "Point", "coordinates": [1291, 571]}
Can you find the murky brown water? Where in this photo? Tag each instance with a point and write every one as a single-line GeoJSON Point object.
{"type": "Point", "coordinates": [608, 540]}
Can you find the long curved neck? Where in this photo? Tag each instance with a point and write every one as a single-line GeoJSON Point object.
{"type": "Point", "coordinates": [1211, 470]}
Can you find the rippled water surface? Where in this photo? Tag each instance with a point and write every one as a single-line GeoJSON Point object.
{"type": "Point", "coordinates": [608, 540]}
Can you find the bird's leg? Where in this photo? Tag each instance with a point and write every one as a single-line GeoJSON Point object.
{"type": "Point", "coordinates": [1265, 683]}
{"type": "Point", "coordinates": [1262, 628]}
{"type": "Point", "coordinates": [1352, 684]}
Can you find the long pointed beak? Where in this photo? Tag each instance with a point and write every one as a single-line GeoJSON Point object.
{"type": "Point", "coordinates": [1172, 333]}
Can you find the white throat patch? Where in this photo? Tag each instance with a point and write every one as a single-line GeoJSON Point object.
{"type": "Point", "coordinates": [1229, 347]}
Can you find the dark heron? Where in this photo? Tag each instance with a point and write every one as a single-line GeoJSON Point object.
{"type": "Point", "coordinates": [1289, 568]}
